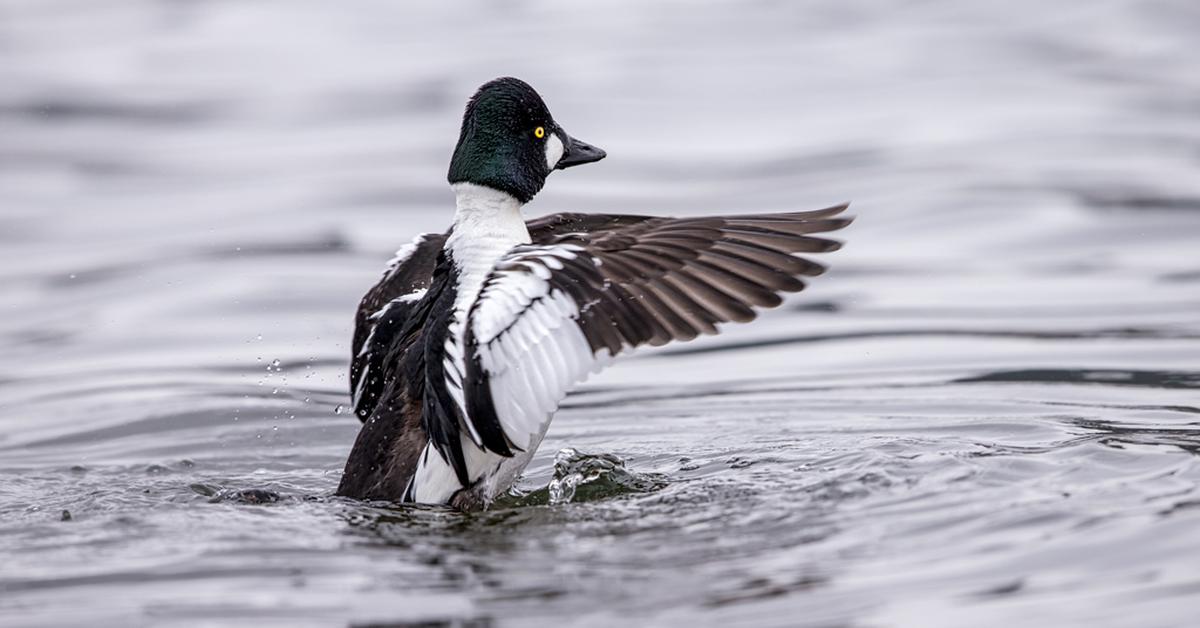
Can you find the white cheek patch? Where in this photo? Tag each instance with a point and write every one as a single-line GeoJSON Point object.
{"type": "Point", "coordinates": [554, 151]}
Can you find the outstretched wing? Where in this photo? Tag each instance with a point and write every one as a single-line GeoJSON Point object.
{"type": "Point", "coordinates": [381, 315]}
{"type": "Point", "coordinates": [589, 288]}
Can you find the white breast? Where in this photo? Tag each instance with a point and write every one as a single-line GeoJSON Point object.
{"type": "Point", "coordinates": [487, 224]}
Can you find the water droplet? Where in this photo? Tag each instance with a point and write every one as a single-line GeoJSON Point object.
{"type": "Point", "coordinates": [258, 337]}
{"type": "Point", "coordinates": [275, 363]}
{"type": "Point", "coordinates": [337, 410]}
{"type": "Point", "coordinates": [71, 277]}
{"type": "Point", "coordinates": [274, 428]}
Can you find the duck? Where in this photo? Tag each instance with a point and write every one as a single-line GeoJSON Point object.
{"type": "Point", "coordinates": [465, 347]}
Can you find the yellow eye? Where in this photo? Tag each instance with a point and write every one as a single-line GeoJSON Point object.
{"type": "Point", "coordinates": [539, 132]}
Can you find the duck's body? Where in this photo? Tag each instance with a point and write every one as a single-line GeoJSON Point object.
{"type": "Point", "coordinates": [464, 349]}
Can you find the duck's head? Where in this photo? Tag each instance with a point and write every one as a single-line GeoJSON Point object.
{"type": "Point", "coordinates": [510, 142]}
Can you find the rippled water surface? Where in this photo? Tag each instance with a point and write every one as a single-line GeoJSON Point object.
{"type": "Point", "coordinates": [987, 413]}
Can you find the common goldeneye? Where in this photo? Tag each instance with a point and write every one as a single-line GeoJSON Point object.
{"type": "Point", "coordinates": [463, 351]}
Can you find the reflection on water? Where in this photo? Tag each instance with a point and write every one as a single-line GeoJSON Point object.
{"type": "Point", "coordinates": [985, 414]}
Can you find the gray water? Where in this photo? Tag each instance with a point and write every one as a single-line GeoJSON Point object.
{"type": "Point", "coordinates": [986, 414]}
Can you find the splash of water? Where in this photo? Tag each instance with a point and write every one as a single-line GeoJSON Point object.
{"type": "Point", "coordinates": [585, 477]}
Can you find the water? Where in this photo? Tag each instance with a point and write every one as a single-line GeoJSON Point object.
{"type": "Point", "coordinates": [987, 413]}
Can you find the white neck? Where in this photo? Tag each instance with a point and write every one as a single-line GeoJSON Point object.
{"type": "Point", "coordinates": [485, 211]}
{"type": "Point", "coordinates": [487, 223]}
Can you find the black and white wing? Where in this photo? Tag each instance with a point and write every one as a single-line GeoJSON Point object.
{"type": "Point", "coordinates": [381, 315]}
{"type": "Point", "coordinates": [589, 288]}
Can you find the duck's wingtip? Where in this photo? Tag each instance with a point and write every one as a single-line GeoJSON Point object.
{"type": "Point", "coordinates": [843, 219]}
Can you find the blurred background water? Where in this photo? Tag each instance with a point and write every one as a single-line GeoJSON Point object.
{"type": "Point", "coordinates": [988, 412]}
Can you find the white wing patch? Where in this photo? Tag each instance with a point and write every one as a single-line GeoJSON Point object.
{"type": "Point", "coordinates": [412, 297]}
{"type": "Point", "coordinates": [404, 252]}
{"type": "Point", "coordinates": [529, 342]}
